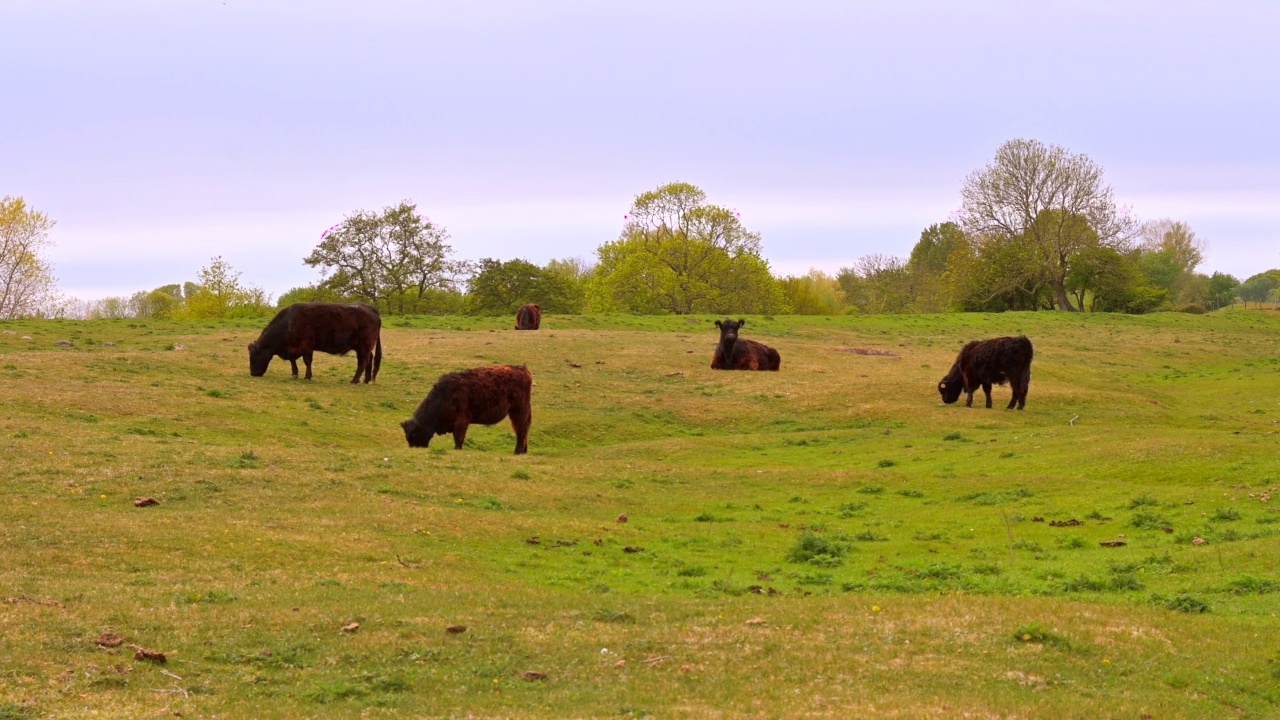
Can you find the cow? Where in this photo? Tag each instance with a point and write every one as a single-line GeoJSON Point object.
{"type": "Point", "coordinates": [335, 328]}
{"type": "Point", "coordinates": [480, 395]}
{"type": "Point", "coordinates": [528, 317]}
{"type": "Point", "coordinates": [735, 353]}
{"type": "Point", "coordinates": [983, 362]}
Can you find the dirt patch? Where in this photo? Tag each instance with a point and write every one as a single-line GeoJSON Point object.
{"type": "Point", "coordinates": [869, 351]}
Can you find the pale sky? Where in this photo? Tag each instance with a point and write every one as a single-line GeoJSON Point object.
{"type": "Point", "coordinates": [159, 134]}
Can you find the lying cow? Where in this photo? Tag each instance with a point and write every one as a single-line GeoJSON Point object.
{"type": "Point", "coordinates": [983, 362]}
{"type": "Point", "coordinates": [480, 395]}
{"type": "Point", "coordinates": [735, 353]}
{"type": "Point", "coordinates": [528, 317]}
{"type": "Point", "coordinates": [335, 328]}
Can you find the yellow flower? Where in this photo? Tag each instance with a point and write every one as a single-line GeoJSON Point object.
{"type": "Point", "coordinates": [875, 608]}
{"type": "Point", "coordinates": [1106, 661]}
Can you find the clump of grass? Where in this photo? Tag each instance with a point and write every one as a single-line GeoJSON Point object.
{"type": "Point", "coordinates": [871, 489]}
{"type": "Point", "coordinates": [490, 503]}
{"type": "Point", "coordinates": [708, 518]}
{"type": "Point", "coordinates": [608, 615]}
{"type": "Point", "coordinates": [691, 571]}
{"type": "Point", "coordinates": [246, 461]}
{"type": "Point", "coordinates": [924, 536]}
{"type": "Point", "coordinates": [817, 550]}
{"type": "Point", "coordinates": [990, 569]}
{"type": "Point", "coordinates": [13, 711]}
{"type": "Point", "coordinates": [869, 536]}
{"type": "Point", "coordinates": [886, 463]}
{"type": "Point", "coordinates": [848, 510]}
{"type": "Point", "coordinates": [208, 597]}
{"type": "Point", "coordinates": [1148, 520]}
{"type": "Point", "coordinates": [908, 492]}
{"type": "Point", "coordinates": [216, 393]}
{"type": "Point", "coordinates": [1182, 602]}
{"type": "Point", "coordinates": [995, 497]}
{"type": "Point", "coordinates": [520, 474]}
{"type": "Point", "coordinates": [622, 483]}
{"type": "Point", "coordinates": [1227, 514]}
{"type": "Point", "coordinates": [1028, 545]}
{"type": "Point", "coordinates": [953, 436]}
{"type": "Point", "coordinates": [1143, 501]}
{"type": "Point", "coordinates": [1072, 542]}
{"type": "Point", "coordinates": [1034, 632]}
{"type": "Point", "coordinates": [1250, 585]}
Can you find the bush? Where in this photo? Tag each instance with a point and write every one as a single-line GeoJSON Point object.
{"type": "Point", "coordinates": [817, 550]}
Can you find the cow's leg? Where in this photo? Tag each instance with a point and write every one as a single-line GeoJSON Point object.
{"type": "Point", "coordinates": [1015, 384]}
{"type": "Point", "coordinates": [521, 418]}
{"type": "Point", "coordinates": [359, 367]}
{"type": "Point", "coordinates": [294, 363]}
{"type": "Point", "coordinates": [986, 390]}
{"type": "Point", "coordinates": [459, 433]}
{"type": "Point", "coordinates": [306, 360]}
{"type": "Point", "coordinates": [1022, 395]}
{"type": "Point", "coordinates": [969, 401]}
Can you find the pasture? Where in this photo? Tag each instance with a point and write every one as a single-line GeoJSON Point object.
{"type": "Point", "coordinates": [826, 541]}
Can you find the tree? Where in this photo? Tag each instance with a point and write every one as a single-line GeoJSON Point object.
{"type": "Point", "coordinates": [388, 259]}
{"type": "Point", "coordinates": [27, 285]}
{"type": "Point", "coordinates": [500, 288]}
{"type": "Point", "coordinates": [1104, 277]}
{"type": "Point", "coordinates": [877, 284]}
{"type": "Point", "coordinates": [932, 264]}
{"type": "Point", "coordinates": [680, 255]}
{"type": "Point", "coordinates": [1222, 289]}
{"type": "Point", "coordinates": [1258, 288]}
{"type": "Point", "coordinates": [219, 294]}
{"type": "Point", "coordinates": [815, 293]}
{"type": "Point", "coordinates": [1048, 200]}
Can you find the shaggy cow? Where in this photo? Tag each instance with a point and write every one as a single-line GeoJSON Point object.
{"type": "Point", "coordinates": [735, 353]}
{"type": "Point", "coordinates": [335, 328]}
{"type": "Point", "coordinates": [480, 395]}
{"type": "Point", "coordinates": [983, 362]}
{"type": "Point", "coordinates": [528, 317]}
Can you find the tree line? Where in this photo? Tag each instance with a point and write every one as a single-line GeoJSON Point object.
{"type": "Point", "coordinates": [1038, 229]}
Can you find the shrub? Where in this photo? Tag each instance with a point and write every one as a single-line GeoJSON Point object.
{"type": "Point", "coordinates": [1147, 520]}
{"type": "Point", "coordinates": [810, 547]}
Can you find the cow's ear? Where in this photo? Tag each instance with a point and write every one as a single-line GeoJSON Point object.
{"type": "Point", "coordinates": [408, 424]}
{"type": "Point", "coordinates": [717, 323]}
{"type": "Point", "coordinates": [942, 385]}
{"type": "Point", "coordinates": [741, 322]}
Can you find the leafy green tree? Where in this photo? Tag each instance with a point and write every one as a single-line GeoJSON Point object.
{"type": "Point", "coordinates": [27, 285]}
{"type": "Point", "coordinates": [388, 259]}
{"type": "Point", "coordinates": [678, 254]}
{"type": "Point", "coordinates": [220, 294]}
{"type": "Point", "coordinates": [815, 293]}
{"type": "Point", "coordinates": [1051, 202]}
{"type": "Point", "coordinates": [1103, 277]}
{"type": "Point", "coordinates": [1222, 289]}
{"type": "Point", "coordinates": [500, 288]}
{"type": "Point", "coordinates": [310, 293]}
{"type": "Point", "coordinates": [941, 249]}
{"type": "Point", "coordinates": [1258, 288]}
{"type": "Point", "coordinates": [877, 284]}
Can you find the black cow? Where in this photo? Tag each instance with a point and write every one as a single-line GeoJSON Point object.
{"type": "Point", "coordinates": [735, 353]}
{"type": "Point", "coordinates": [479, 395]}
{"type": "Point", "coordinates": [335, 328]}
{"type": "Point", "coordinates": [984, 362]}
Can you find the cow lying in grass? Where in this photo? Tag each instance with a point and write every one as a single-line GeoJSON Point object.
{"type": "Point", "coordinates": [984, 362]}
{"type": "Point", "coordinates": [735, 353]}
{"type": "Point", "coordinates": [481, 395]}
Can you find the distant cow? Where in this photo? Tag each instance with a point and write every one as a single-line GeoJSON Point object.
{"type": "Point", "coordinates": [735, 353]}
{"type": "Point", "coordinates": [480, 395]}
{"type": "Point", "coordinates": [983, 362]}
{"type": "Point", "coordinates": [335, 328]}
{"type": "Point", "coordinates": [528, 317]}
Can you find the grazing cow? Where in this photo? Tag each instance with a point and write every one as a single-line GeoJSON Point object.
{"type": "Point", "coordinates": [983, 362]}
{"type": "Point", "coordinates": [479, 395]}
{"type": "Point", "coordinates": [528, 317]}
{"type": "Point", "coordinates": [335, 328]}
{"type": "Point", "coordinates": [735, 353]}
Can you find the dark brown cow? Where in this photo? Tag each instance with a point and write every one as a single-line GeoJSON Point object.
{"type": "Point", "coordinates": [983, 362]}
{"type": "Point", "coordinates": [479, 395]}
{"type": "Point", "coordinates": [335, 328]}
{"type": "Point", "coordinates": [528, 317]}
{"type": "Point", "coordinates": [735, 353]}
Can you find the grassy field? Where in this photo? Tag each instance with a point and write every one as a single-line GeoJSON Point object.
{"type": "Point", "coordinates": [827, 541]}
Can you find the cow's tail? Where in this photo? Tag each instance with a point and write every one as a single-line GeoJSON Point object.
{"type": "Point", "coordinates": [377, 357]}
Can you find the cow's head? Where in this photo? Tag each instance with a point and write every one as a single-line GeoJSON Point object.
{"type": "Point", "coordinates": [951, 386]}
{"type": "Point", "coordinates": [416, 433]}
{"type": "Point", "coordinates": [259, 359]}
{"type": "Point", "coordinates": [729, 330]}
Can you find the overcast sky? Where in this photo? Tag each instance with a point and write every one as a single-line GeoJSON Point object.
{"type": "Point", "coordinates": [159, 134]}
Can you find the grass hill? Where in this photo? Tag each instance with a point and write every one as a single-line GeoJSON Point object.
{"type": "Point", "coordinates": [827, 541]}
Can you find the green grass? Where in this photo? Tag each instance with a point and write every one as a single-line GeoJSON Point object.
{"type": "Point", "coordinates": [826, 541]}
